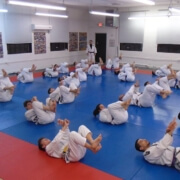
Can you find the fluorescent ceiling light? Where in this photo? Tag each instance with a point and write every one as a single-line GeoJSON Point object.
{"type": "Point", "coordinates": [174, 10]}
{"type": "Point", "coordinates": [153, 17]}
{"type": "Point", "coordinates": [3, 10]}
{"type": "Point", "coordinates": [103, 13]}
{"type": "Point", "coordinates": [147, 17]}
{"type": "Point", "coordinates": [29, 4]}
{"type": "Point", "coordinates": [148, 2]}
{"type": "Point", "coordinates": [51, 15]}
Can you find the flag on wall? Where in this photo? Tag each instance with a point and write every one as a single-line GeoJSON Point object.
{"type": "Point", "coordinates": [1, 46]}
{"type": "Point", "coordinates": [39, 42]}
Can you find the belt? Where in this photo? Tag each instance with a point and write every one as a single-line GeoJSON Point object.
{"type": "Point", "coordinates": [174, 158]}
{"type": "Point", "coordinates": [65, 154]}
{"type": "Point", "coordinates": [90, 52]}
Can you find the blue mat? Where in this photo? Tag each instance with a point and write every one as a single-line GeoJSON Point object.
{"type": "Point", "coordinates": [118, 156]}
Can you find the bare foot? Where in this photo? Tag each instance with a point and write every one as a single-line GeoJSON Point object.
{"type": "Point", "coordinates": [96, 143]}
{"type": "Point", "coordinates": [5, 74]}
{"type": "Point", "coordinates": [34, 98]}
{"type": "Point", "coordinates": [121, 97]}
{"type": "Point", "coordinates": [97, 148]}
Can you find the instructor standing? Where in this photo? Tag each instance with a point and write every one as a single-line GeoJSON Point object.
{"type": "Point", "coordinates": [91, 52]}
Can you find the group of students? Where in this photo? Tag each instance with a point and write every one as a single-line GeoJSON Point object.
{"type": "Point", "coordinates": [71, 146]}
{"type": "Point", "coordinates": [161, 152]}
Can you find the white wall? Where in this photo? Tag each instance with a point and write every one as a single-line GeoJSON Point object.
{"type": "Point", "coordinates": [16, 27]}
{"type": "Point", "coordinates": [81, 21]}
{"type": "Point", "coordinates": [153, 32]}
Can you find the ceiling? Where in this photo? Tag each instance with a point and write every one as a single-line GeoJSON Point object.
{"type": "Point", "coordinates": [108, 3]}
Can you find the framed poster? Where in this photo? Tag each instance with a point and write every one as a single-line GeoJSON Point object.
{"type": "Point", "coordinates": [1, 46]}
{"type": "Point", "coordinates": [82, 41]}
{"type": "Point", "coordinates": [39, 42]}
{"type": "Point", "coordinates": [73, 41]}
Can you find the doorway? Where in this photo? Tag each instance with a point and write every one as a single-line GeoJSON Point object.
{"type": "Point", "coordinates": [101, 46]}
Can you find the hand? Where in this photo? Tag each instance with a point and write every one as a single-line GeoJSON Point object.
{"type": "Point", "coordinates": [171, 127]}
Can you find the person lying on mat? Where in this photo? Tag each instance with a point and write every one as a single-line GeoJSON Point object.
{"type": "Point", "coordinates": [26, 74]}
{"type": "Point", "coordinates": [39, 113]}
{"type": "Point", "coordinates": [115, 113]}
{"type": "Point", "coordinates": [161, 152]}
{"type": "Point", "coordinates": [71, 146]}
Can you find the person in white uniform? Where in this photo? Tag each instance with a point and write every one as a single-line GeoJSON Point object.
{"type": "Point", "coordinates": [6, 87]}
{"type": "Point", "coordinates": [54, 94]}
{"type": "Point", "coordinates": [109, 64]}
{"type": "Point", "coordinates": [63, 68]}
{"type": "Point", "coordinates": [91, 52]}
{"type": "Point", "coordinates": [147, 98]}
{"type": "Point", "coordinates": [96, 69]}
{"type": "Point", "coordinates": [68, 94]}
{"type": "Point", "coordinates": [84, 63]}
{"type": "Point", "coordinates": [74, 79]}
{"type": "Point", "coordinates": [127, 73]}
{"type": "Point", "coordinates": [116, 62]}
{"type": "Point", "coordinates": [39, 113]}
{"type": "Point", "coordinates": [161, 152]}
{"type": "Point", "coordinates": [82, 74]}
{"type": "Point", "coordinates": [163, 70]}
{"type": "Point", "coordinates": [26, 74]}
{"type": "Point", "coordinates": [71, 146]}
{"type": "Point", "coordinates": [115, 113]}
{"type": "Point", "coordinates": [165, 81]}
{"type": "Point", "coordinates": [51, 72]}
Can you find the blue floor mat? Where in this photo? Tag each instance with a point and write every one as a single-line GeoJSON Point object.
{"type": "Point", "coordinates": [118, 156]}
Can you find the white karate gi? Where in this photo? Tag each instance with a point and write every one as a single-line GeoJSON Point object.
{"type": "Point", "coordinates": [162, 153]}
{"type": "Point", "coordinates": [49, 72]}
{"type": "Point", "coordinates": [126, 74]}
{"type": "Point", "coordinates": [81, 74]}
{"type": "Point", "coordinates": [147, 98]}
{"type": "Point", "coordinates": [5, 95]}
{"type": "Point", "coordinates": [163, 71]}
{"type": "Point", "coordinates": [114, 114]}
{"type": "Point", "coordinates": [31, 116]}
{"type": "Point", "coordinates": [132, 91]}
{"type": "Point", "coordinates": [116, 62]}
{"type": "Point", "coordinates": [84, 63]}
{"type": "Point", "coordinates": [66, 95]}
{"type": "Point", "coordinates": [109, 64]}
{"type": "Point", "coordinates": [25, 75]}
{"type": "Point", "coordinates": [91, 52]}
{"type": "Point", "coordinates": [75, 142]}
{"type": "Point", "coordinates": [44, 117]}
{"type": "Point", "coordinates": [164, 83]}
{"type": "Point", "coordinates": [75, 81]}
{"type": "Point", "coordinates": [56, 94]}
{"type": "Point", "coordinates": [63, 68]}
{"type": "Point", "coordinates": [95, 69]}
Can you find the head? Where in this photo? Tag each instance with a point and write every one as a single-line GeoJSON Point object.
{"type": "Point", "coordinates": [141, 144]}
{"type": "Point", "coordinates": [98, 108]}
{"type": "Point", "coordinates": [42, 143]}
{"type": "Point", "coordinates": [146, 83]}
{"type": "Point", "coordinates": [50, 90]}
{"type": "Point", "coordinates": [28, 104]}
{"type": "Point", "coordinates": [90, 41]}
{"type": "Point", "coordinates": [179, 116]}
{"type": "Point", "coordinates": [116, 71]}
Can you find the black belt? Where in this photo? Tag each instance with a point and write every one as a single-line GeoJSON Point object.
{"type": "Point", "coordinates": [90, 52]}
{"type": "Point", "coordinates": [174, 158]}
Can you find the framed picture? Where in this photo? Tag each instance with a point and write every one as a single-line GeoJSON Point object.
{"type": "Point", "coordinates": [39, 42]}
